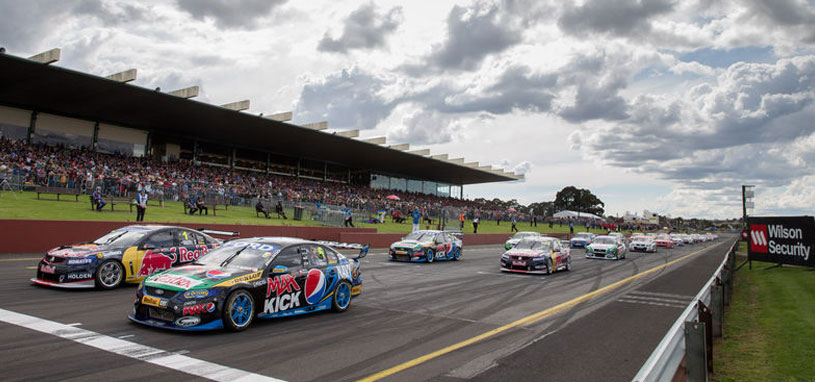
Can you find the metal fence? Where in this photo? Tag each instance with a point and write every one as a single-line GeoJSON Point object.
{"type": "Point", "coordinates": [690, 339]}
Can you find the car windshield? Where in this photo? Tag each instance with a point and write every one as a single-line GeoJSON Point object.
{"type": "Point", "coordinates": [120, 238]}
{"type": "Point", "coordinates": [604, 240]}
{"type": "Point", "coordinates": [241, 255]}
{"type": "Point", "coordinates": [537, 245]}
{"type": "Point", "coordinates": [421, 236]}
{"type": "Point", "coordinates": [521, 235]}
{"type": "Point", "coordinates": [583, 236]}
{"type": "Point", "coordinates": [641, 240]}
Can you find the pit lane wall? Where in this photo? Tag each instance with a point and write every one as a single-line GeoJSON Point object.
{"type": "Point", "coordinates": [37, 236]}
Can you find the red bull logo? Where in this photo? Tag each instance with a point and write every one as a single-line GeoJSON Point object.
{"type": "Point", "coordinates": [154, 262]}
{"type": "Point", "coordinates": [315, 286]}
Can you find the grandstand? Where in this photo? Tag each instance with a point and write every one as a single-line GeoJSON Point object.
{"type": "Point", "coordinates": [45, 104]}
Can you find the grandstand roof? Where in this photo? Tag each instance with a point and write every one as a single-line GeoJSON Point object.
{"type": "Point", "coordinates": [45, 88]}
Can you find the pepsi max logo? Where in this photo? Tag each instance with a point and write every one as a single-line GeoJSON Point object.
{"type": "Point", "coordinates": [315, 286]}
{"type": "Point", "coordinates": [216, 274]}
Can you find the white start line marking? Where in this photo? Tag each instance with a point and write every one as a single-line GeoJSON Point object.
{"type": "Point", "coordinates": [170, 360]}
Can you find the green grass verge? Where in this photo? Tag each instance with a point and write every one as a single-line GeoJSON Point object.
{"type": "Point", "coordinates": [26, 206]}
{"type": "Point", "coordinates": [769, 327]}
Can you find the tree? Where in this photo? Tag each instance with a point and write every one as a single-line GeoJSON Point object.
{"type": "Point", "coordinates": [578, 199]}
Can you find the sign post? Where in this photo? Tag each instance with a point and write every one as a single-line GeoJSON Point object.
{"type": "Point", "coordinates": [782, 240]}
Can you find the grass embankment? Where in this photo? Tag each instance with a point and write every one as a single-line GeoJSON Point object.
{"type": "Point", "coordinates": [769, 327]}
{"type": "Point", "coordinates": [26, 206]}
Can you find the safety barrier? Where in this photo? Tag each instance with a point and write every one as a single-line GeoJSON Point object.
{"type": "Point", "coordinates": [686, 352]}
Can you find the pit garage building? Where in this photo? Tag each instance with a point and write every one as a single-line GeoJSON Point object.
{"type": "Point", "coordinates": [43, 103]}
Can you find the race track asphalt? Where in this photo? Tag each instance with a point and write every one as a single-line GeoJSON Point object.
{"type": "Point", "coordinates": [405, 311]}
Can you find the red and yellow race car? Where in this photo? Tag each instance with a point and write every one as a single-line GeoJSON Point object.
{"type": "Point", "coordinates": [128, 254]}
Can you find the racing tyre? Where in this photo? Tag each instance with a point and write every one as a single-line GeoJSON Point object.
{"type": "Point", "coordinates": [550, 266]}
{"type": "Point", "coordinates": [457, 254]}
{"type": "Point", "coordinates": [109, 274]}
{"type": "Point", "coordinates": [342, 297]}
{"type": "Point", "coordinates": [429, 256]}
{"type": "Point", "coordinates": [238, 311]}
{"type": "Point", "coordinates": [569, 264]}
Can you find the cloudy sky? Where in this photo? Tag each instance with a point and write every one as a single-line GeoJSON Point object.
{"type": "Point", "coordinates": [662, 105]}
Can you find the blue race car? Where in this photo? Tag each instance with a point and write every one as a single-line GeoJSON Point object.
{"type": "Point", "coordinates": [264, 277]}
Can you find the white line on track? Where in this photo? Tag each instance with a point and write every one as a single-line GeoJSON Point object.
{"type": "Point", "coordinates": [75, 324]}
{"type": "Point", "coordinates": [126, 336]}
{"type": "Point", "coordinates": [170, 360]}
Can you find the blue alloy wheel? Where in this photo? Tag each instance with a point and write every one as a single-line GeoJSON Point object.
{"type": "Point", "coordinates": [457, 254]}
{"type": "Point", "coordinates": [429, 256]}
{"type": "Point", "coordinates": [239, 310]}
{"type": "Point", "coordinates": [342, 297]}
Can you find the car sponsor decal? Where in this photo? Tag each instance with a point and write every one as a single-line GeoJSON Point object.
{"type": "Point", "coordinates": [216, 274]}
{"type": "Point", "coordinates": [177, 281]}
{"type": "Point", "coordinates": [48, 268]}
{"type": "Point", "coordinates": [192, 294]}
{"type": "Point", "coordinates": [198, 309]}
{"type": "Point", "coordinates": [153, 301]}
{"type": "Point", "coordinates": [79, 276]}
{"type": "Point", "coordinates": [80, 261]}
{"type": "Point", "coordinates": [344, 271]}
{"type": "Point", "coordinates": [282, 303]}
{"type": "Point", "coordinates": [186, 322]}
{"type": "Point", "coordinates": [188, 255]}
{"type": "Point", "coordinates": [241, 279]}
{"type": "Point", "coordinates": [315, 286]}
{"type": "Point", "coordinates": [155, 261]}
{"type": "Point", "coordinates": [281, 284]}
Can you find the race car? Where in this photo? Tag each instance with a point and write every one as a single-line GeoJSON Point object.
{"type": "Point", "coordinates": [664, 241]}
{"type": "Point", "coordinates": [128, 254]}
{"type": "Point", "coordinates": [643, 244]}
{"type": "Point", "coordinates": [581, 239]}
{"type": "Point", "coordinates": [518, 237]}
{"type": "Point", "coordinates": [427, 246]}
{"type": "Point", "coordinates": [264, 277]}
{"type": "Point", "coordinates": [537, 255]}
{"type": "Point", "coordinates": [606, 247]}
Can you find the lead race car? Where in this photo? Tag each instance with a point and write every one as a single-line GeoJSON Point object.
{"type": "Point", "coordinates": [537, 255]}
{"type": "Point", "coordinates": [127, 254]}
{"type": "Point", "coordinates": [427, 246]}
{"type": "Point", "coordinates": [262, 277]}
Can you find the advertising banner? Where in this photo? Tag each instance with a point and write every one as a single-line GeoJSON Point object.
{"type": "Point", "coordinates": [782, 239]}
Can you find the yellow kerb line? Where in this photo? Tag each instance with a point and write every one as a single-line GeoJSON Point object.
{"type": "Point", "coordinates": [521, 322]}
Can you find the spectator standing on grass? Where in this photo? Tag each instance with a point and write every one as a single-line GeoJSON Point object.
{"type": "Point", "coordinates": [587, 226]}
{"type": "Point", "coordinates": [141, 205]}
{"type": "Point", "coordinates": [348, 218]}
{"type": "Point", "coordinates": [416, 216]}
{"type": "Point", "coordinates": [571, 228]}
{"type": "Point", "coordinates": [514, 222]}
{"type": "Point", "coordinates": [475, 224]}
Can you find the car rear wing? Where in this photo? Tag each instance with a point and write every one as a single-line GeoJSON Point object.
{"type": "Point", "coordinates": [230, 234]}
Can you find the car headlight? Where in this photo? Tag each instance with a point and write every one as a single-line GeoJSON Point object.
{"type": "Point", "coordinates": [505, 256]}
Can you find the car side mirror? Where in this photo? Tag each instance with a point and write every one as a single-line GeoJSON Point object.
{"type": "Point", "coordinates": [363, 252]}
{"type": "Point", "coordinates": [279, 270]}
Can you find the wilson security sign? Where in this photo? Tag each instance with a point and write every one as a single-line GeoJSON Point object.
{"type": "Point", "coordinates": [782, 239]}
